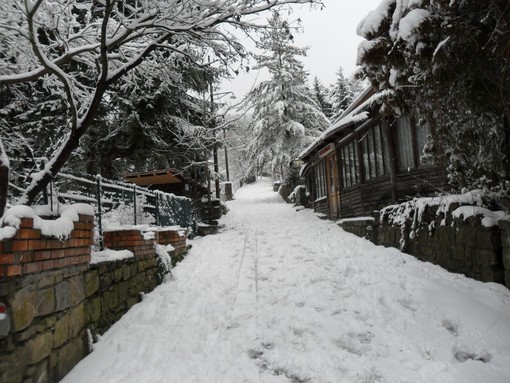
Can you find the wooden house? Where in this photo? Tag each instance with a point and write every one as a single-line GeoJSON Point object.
{"type": "Point", "coordinates": [168, 181]}
{"type": "Point", "coordinates": [365, 161]}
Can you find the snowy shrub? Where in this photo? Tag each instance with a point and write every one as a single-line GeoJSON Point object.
{"type": "Point", "coordinates": [123, 214]}
{"type": "Point", "coordinates": [164, 258]}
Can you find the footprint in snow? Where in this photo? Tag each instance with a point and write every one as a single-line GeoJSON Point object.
{"type": "Point", "coordinates": [254, 354]}
{"type": "Point", "coordinates": [451, 327]}
{"type": "Point", "coordinates": [356, 343]}
{"type": "Point", "coordinates": [463, 356]}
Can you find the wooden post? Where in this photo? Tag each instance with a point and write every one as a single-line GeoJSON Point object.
{"type": "Point", "coordinates": [4, 186]}
{"type": "Point", "coordinates": [134, 204]}
{"type": "Point", "coordinates": [99, 212]}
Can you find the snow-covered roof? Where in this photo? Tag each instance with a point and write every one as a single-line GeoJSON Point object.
{"type": "Point", "coordinates": [353, 114]}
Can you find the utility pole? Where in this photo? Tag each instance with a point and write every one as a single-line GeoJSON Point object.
{"type": "Point", "coordinates": [226, 153]}
{"type": "Point", "coordinates": [215, 147]}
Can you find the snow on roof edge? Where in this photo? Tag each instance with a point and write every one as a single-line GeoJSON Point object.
{"type": "Point", "coordinates": [351, 115]}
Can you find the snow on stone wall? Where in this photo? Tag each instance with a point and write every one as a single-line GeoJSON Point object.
{"type": "Point", "coordinates": [455, 232]}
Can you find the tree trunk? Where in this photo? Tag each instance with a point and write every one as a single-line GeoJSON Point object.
{"type": "Point", "coordinates": [506, 146]}
{"type": "Point", "coordinates": [216, 171]}
{"type": "Point", "coordinates": [53, 166]}
{"type": "Point", "coordinates": [4, 179]}
{"type": "Point", "coordinates": [387, 137]}
{"type": "Point", "coordinates": [4, 186]}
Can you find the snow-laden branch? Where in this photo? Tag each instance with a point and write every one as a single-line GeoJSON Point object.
{"type": "Point", "coordinates": [78, 49]}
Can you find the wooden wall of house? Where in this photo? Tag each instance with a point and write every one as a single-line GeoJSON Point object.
{"type": "Point", "coordinates": [427, 180]}
{"type": "Point", "coordinates": [363, 199]}
{"type": "Point", "coordinates": [321, 207]}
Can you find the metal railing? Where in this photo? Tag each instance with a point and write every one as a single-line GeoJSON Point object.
{"type": "Point", "coordinates": [138, 204]}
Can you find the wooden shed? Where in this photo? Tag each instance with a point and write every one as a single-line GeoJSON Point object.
{"type": "Point", "coordinates": [169, 181]}
{"type": "Point", "coordinates": [365, 161]}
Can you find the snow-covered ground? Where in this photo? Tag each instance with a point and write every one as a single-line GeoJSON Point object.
{"type": "Point", "coordinates": [280, 296]}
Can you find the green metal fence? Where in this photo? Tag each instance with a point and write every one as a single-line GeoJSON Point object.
{"type": "Point", "coordinates": [109, 196]}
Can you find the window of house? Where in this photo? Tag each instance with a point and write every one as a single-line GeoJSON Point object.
{"type": "Point", "coordinates": [422, 133]}
{"type": "Point", "coordinates": [332, 166]}
{"type": "Point", "coordinates": [350, 158]}
{"type": "Point", "coordinates": [411, 141]}
{"type": "Point", "coordinates": [320, 180]}
{"type": "Point", "coordinates": [405, 143]}
{"type": "Point", "coordinates": [374, 154]}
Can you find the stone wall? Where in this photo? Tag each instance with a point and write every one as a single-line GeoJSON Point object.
{"type": "Point", "coordinates": [57, 300]}
{"type": "Point", "coordinates": [111, 288]}
{"type": "Point", "coordinates": [42, 285]}
{"type": "Point", "coordinates": [362, 227]}
{"type": "Point", "coordinates": [465, 246]}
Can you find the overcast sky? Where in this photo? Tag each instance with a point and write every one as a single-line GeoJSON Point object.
{"type": "Point", "coordinates": [331, 36]}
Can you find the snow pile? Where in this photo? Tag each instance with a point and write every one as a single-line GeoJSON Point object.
{"type": "Point", "coordinates": [59, 228]}
{"type": "Point", "coordinates": [118, 227]}
{"type": "Point", "coordinates": [489, 218]}
{"type": "Point", "coordinates": [292, 196]}
{"type": "Point", "coordinates": [281, 296]}
{"type": "Point", "coordinates": [355, 219]}
{"type": "Point", "coordinates": [410, 23]}
{"type": "Point", "coordinates": [7, 232]}
{"type": "Point", "coordinates": [372, 22]}
{"type": "Point", "coordinates": [162, 252]}
{"type": "Point", "coordinates": [109, 256]}
{"type": "Point", "coordinates": [402, 27]}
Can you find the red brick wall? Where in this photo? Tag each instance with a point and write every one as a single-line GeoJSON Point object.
{"type": "Point", "coordinates": [30, 252]}
{"type": "Point", "coordinates": [131, 240]}
{"type": "Point", "coordinates": [174, 238]}
{"type": "Point", "coordinates": [134, 241]}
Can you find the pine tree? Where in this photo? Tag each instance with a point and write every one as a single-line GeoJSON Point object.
{"type": "Point", "coordinates": [286, 115]}
{"type": "Point", "coordinates": [341, 95]}
{"type": "Point", "coordinates": [322, 97]}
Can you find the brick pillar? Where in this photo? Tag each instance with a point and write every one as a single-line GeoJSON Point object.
{"type": "Point", "coordinates": [30, 252]}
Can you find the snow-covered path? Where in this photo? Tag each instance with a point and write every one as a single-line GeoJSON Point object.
{"type": "Point", "coordinates": [280, 296]}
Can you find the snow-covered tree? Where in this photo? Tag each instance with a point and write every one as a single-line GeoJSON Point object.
{"type": "Point", "coordinates": [286, 115]}
{"type": "Point", "coordinates": [139, 128]}
{"type": "Point", "coordinates": [322, 97]}
{"type": "Point", "coordinates": [78, 49]}
{"type": "Point", "coordinates": [4, 175]}
{"type": "Point", "coordinates": [447, 63]}
{"type": "Point", "coordinates": [238, 135]}
{"type": "Point", "coordinates": [341, 94]}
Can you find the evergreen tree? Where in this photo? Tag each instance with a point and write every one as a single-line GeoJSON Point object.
{"type": "Point", "coordinates": [322, 97]}
{"type": "Point", "coordinates": [286, 115]}
{"type": "Point", "coordinates": [341, 95]}
{"type": "Point", "coordinates": [143, 133]}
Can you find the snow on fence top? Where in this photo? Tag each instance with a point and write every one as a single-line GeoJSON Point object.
{"type": "Point", "coordinates": [59, 228]}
